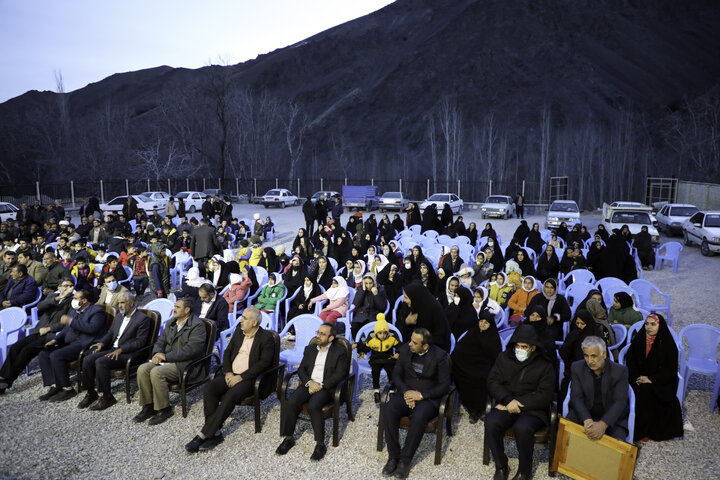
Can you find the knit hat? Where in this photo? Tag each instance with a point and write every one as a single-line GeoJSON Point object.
{"type": "Point", "coordinates": [256, 216]}
{"type": "Point", "coordinates": [381, 325]}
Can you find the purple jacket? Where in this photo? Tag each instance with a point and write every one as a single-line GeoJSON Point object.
{"type": "Point", "coordinates": [24, 292]}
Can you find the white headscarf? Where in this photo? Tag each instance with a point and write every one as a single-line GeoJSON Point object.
{"type": "Point", "coordinates": [371, 256]}
{"type": "Point", "coordinates": [341, 291]}
{"type": "Point", "coordinates": [307, 291]}
{"type": "Point", "coordinates": [357, 277]}
{"type": "Point", "coordinates": [451, 295]}
{"type": "Point", "coordinates": [234, 278]}
{"type": "Point", "coordinates": [374, 268]}
{"type": "Point", "coordinates": [193, 277]}
{"type": "Point", "coordinates": [277, 277]}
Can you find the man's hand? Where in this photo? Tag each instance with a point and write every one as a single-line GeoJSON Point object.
{"type": "Point", "coordinates": [158, 357]}
{"type": "Point", "coordinates": [47, 291]}
{"type": "Point", "coordinates": [412, 396]}
{"type": "Point", "coordinates": [596, 430]}
{"type": "Point", "coordinates": [96, 347]}
{"type": "Point", "coordinates": [232, 379]}
{"type": "Point", "coordinates": [44, 331]}
{"type": "Point", "coordinates": [65, 320]}
{"type": "Point", "coordinates": [514, 406]}
{"type": "Point", "coordinates": [114, 354]}
{"type": "Point", "coordinates": [501, 407]}
{"type": "Point", "coordinates": [642, 379]}
{"type": "Point", "coordinates": [314, 387]}
{"type": "Point", "coordinates": [411, 319]}
{"type": "Point", "coordinates": [50, 343]}
{"type": "Point", "coordinates": [6, 303]}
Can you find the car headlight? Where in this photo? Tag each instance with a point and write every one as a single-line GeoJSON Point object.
{"type": "Point", "coordinates": [655, 238]}
{"type": "Point", "coordinates": [553, 219]}
{"type": "Point", "coordinates": [715, 239]}
{"type": "Point", "coordinates": [484, 209]}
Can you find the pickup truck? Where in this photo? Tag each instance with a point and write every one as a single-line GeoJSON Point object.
{"type": "Point", "coordinates": [635, 217]}
{"type": "Point", "coordinates": [360, 197]}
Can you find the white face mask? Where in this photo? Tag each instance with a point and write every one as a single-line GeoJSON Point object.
{"type": "Point", "coordinates": [408, 265]}
{"type": "Point", "coordinates": [112, 286]}
{"type": "Point", "coordinates": [75, 304]}
{"type": "Point", "coordinates": [456, 300]}
{"type": "Point", "coordinates": [521, 354]}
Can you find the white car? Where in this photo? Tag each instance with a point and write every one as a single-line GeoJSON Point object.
{"type": "Point", "coordinates": [7, 210]}
{"type": "Point", "coordinates": [143, 203]}
{"type": "Point", "coordinates": [393, 201]}
{"type": "Point", "coordinates": [636, 204]}
{"type": "Point", "coordinates": [703, 228]}
{"type": "Point", "coordinates": [498, 206]}
{"type": "Point", "coordinates": [193, 200]}
{"type": "Point", "coordinates": [328, 194]}
{"type": "Point", "coordinates": [161, 198]}
{"type": "Point", "coordinates": [672, 216]}
{"type": "Point", "coordinates": [634, 217]}
{"type": "Point", "coordinates": [279, 197]}
{"type": "Point", "coordinates": [440, 199]}
{"type": "Point", "coordinates": [562, 211]}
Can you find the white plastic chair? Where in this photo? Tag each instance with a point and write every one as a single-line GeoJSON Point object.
{"type": "Point", "coordinates": [12, 322]}
{"type": "Point", "coordinates": [670, 252]}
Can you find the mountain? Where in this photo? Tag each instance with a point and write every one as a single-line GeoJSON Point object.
{"type": "Point", "coordinates": [476, 90]}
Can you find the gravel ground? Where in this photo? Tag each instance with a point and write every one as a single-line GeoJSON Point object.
{"type": "Point", "coordinates": [52, 441]}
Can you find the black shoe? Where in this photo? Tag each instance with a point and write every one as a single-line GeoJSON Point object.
{"type": "Point", "coordinates": [88, 400]}
{"type": "Point", "coordinates": [46, 396]}
{"type": "Point", "coordinates": [522, 476]}
{"type": "Point", "coordinates": [402, 470]}
{"type": "Point", "coordinates": [103, 403]}
{"type": "Point", "coordinates": [474, 417]}
{"type": "Point", "coordinates": [146, 412]}
{"type": "Point", "coordinates": [161, 416]}
{"type": "Point", "coordinates": [390, 467]}
{"type": "Point", "coordinates": [63, 395]}
{"type": "Point", "coordinates": [502, 473]}
{"type": "Point", "coordinates": [211, 443]}
{"type": "Point", "coordinates": [4, 384]}
{"type": "Point", "coordinates": [319, 452]}
{"type": "Point", "coordinates": [285, 446]}
{"type": "Point", "coordinates": [194, 445]}
{"type": "Point", "coordinates": [377, 397]}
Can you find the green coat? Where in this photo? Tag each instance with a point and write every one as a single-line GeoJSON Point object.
{"type": "Point", "coordinates": [625, 316]}
{"type": "Point", "coordinates": [269, 296]}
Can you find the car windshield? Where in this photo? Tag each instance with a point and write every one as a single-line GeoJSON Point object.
{"type": "Point", "coordinates": [392, 195]}
{"type": "Point", "coordinates": [496, 200]}
{"type": "Point", "coordinates": [6, 207]}
{"type": "Point", "coordinates": [682, 211]}
{"type": "Point", "coordinates": [439, 197]}
{"type": "Point", "coordinates": [712, 221]}
{"type": "Point", "coordinates": [117, 201]}
{"type": "Point", "coordinates": [641, 218]}
{"type": "Point", "coordinates": [564, 207]}
{"type": "Point", "coordinates": [183, 195]}
{"type": "Point", "coordinates": [272, 193]}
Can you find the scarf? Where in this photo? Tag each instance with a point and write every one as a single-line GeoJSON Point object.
{"type": "Point", "coordinates": [340, 291]}
{"type": "Point", "coordinates": [551, 299]}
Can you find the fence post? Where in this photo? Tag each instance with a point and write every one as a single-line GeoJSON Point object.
{"type": "Point", "coordinates": [148, 184]}
{"type": "Point", "coordinates": [204, 187]}
{"type": "Point", "coordinates": [298, 189]}
{"type": "Point", "coordinates": [187, 184]}
{"type": "Point", "coordinates": [102, 192]}
{"type": "Point", "coordinates": [37, 190]}
{"type": "Point", "coordinates": [372, 182]}
{"type": "Point", "coordinates": [127, 187]}
{"type": "Point", "coordinates": [254, 189]}
{"type": "Point", "coordinates": [458, 188]}
{"type": "Point", "coordinates": [400, 185]}
{"type": "Point", "coordinates": [219, 184]}
{"type": "Point", "coordinates": [490, 187]}
{"type": "Point", "coordinates": [237, 186]}
{"type": "Point", "coordinates": [72, 193]}
{"type": "Point", "coordinates": [276, 183]}
{"type": "Point", "coordinates": [428, 188]}
{"type": "Point", "coordinates": [346, 181]}
{"type": "Point", "coordinates": [321, 184]}
{"type": "Point", "coordinates": [523, 190]}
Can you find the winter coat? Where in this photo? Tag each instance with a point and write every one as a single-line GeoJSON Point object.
{"type": "Point", "coordinates": [269, 296]}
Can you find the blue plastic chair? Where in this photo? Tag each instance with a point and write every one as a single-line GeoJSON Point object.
{"type": "Point", "coordinates": [446, 240]}
{"type": "Point", "coordinates": [128, 277]}
{"type": "Point", "coordinates": [164, 307]}
{"type": "Point", "coordinates": [395, 308]}
{"type": "Point", "coordinates": [609, 293]}
{"type": "Point", "coordinates": [275, 315]}
{"type": "Point", "coordinates": [702, 343]}
{"type": "Point", "coordinates": [576, 293]}
{"type": "Point", "coordinates": [671, 254]}
{"type": "Point", "coordinates": [362, 365]}
{"type": "Point", "coordinates": [12, 323]}
{"type": "Point", "coordinates": [415, 229]}
{"type": "Point", "coordinates": [578, 276]}
{"type": "Point", "coordinates": [452, 342]}
{"type": "Point", "coordinates": [306, 327]}
{"type": "Point", "coordinates": [620, 335]}
{"type": "Point", "coordinates": [462, 240]}
{"type": "Point", "coordinates": [334, 263]}
{"type": "Point", "coordinates": [183, 263]}
{"type": "Point", "coordinates": [631, 415]}
{"type": "Point", "coordinates": [262, 278]}
{"type": "Point", "coordinates": [644, 290]}
{"type": "Point", "coordinates": [609, 282]}
{"type": "Point", "coordinates": [226, 335]}
{"type": "Point", "coordinates": [505, 336]}
{"type": "Point", "coordinates": [31, 312]}
{"type": "Point", "coordinates": [716, 390]}
{"type": "Point", "coordinates": [623, 354]}
{"type": "Point", "coordinates": [431, 234]}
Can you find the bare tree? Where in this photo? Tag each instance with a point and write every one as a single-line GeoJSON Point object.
{"type": "Point", "coordinates": [295, 125]}
{"type": "Point", "coordinates": [545, 119]}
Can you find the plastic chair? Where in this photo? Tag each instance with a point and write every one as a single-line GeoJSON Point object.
{"type": "Point", "coordinates": [446, 240]}
{"type": "Point", "coordinates": [306, 326]}
{"type": "Point", "coordinates": [334, 263]}
{"type": "Point", "coordinates": [12, 322]}
{"type": "Point", "coordinates": [671, 254]}
{"type": "Point", "coordinates": [702, 343]}
{"type": "Point", "coordinates": [620, 334]}
{"type": "Point", "coordinates": [262, 278]}
{"type": "Point", "coordinates": [463, 240]}
{"type": "Point", "coordinates": [275, 315]}
{"type": "Point", "coordinates": [644, 290]}
{"type": "Point", "coordinates": [581, 275]}
{"type": "Point", "coordinates": [431, 234]}
{"type": "Point", "coordinates": [716, 390]}
{"type": "Point", "coordinates": [128, 276]}
{"type": "Point", "coordinates": [361, 366]}
{"type": "Point", "coordinates": [631, 415]}
{"type": "Point", "coordinates": [164, 307]}
{"type": "Point", "coordinates": [452, 342]}
{"type": "Point", "coordinates": [31, 316]}
{"type": "Point", "coordinates": [609, 282]}
{"type": "Point", "coordinates": [505, 336]}
{"type": "Point", "coordinates": [415, 229]}
{"type": "Point", "coordinates": [623, 353]}
{"type": "Point", "coordinates": [183, 263]}
{"type": "Point", "coordinates": [467, 253]}
{"type": "Point", "coordinates": [576, 293]}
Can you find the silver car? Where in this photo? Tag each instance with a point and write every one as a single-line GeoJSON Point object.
{"type": "Point", "coordinates": [672, 216]}
{"type": "Point", "coordinates": [393, 201]}
{"type": "Point", "coordinates": [703, 228]}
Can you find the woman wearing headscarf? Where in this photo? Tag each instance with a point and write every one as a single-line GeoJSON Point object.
{"type": "Point", "coordinates": [596, 260]}
{"type": "Point", "coordinates": [321, 272]}
{"type": "Point", "coordinates": [302, 233]}
{"type": "Point", "coordinates": [352, 225]}
{"type": "Point", "coordinates": [536, 318]}
{"type": "Point", "coordinates": [446, 216]}
{"type": "Point", "coordinates": [488, 231]}
{"type": "Point", "coordinates": [220, 274]}
{"type": "Point", "coordinates": [271, 293]}
{"type": "Point", "coordinates": [249, 272]}
{"type": "Point", "coordinates": [424, 312]}
{"type": "Point", "coordinates": [623, 310]}
{"type": "Point", "coordinates": [494, 257]}
{"type": "Point", "coordinates": [522, 232]}
{"type": "Point", "coordinates": [500, 289]}
{"type": "Point", "coordinates": [514, 274]}
{"type": "Point", "coordinates": [571, 349]}
{"type": "Point", "coordinates": [512, 249]}
{"type": "Point", "coordinates": [482, 303]}
{"type": "Point", "coordinates": [397, 223]}
{"type": "Point", "coordinates": [597, 295]}
{"type": "Point", "coordinates": [301, 303]}
{"type": "Point", "coordinates": [338, 301]}
{"type": "Point", "coordinates": [521, 299]}
{"type": "Point", "coordinates": [295, 274]}
{"type": "Point", "coordinates": [525, 264]}
{"type": "Point", "coordinates": [269, 260]}
{"type": "Point", "coordinates": [358, 272]}
{"type": "Point", "coordinates": [562, 230]}
{"type": "Point", "coordinates": [473, 357]}
{"type": "Point", "coordinates": [573, 236]}
{"type": "Point", "coordinates": [427, 275]}
{"type": "Point", "coordinates": [652, 362]}
{"type": "Point", "coordinates": [380, 262]}
{"type": "Point", "coordinates": [413, 215]}
{"type": "Point", "coordinates": [548, 264]}
{"type": "Point", "coordinates": [191, 284]}
{"type": "Point", "coordinates": [391, 280]}
{"type": "Point", "coordinates": [417, 256]}
{"type": "Point", "coordinates": [369, 301]}
{"type": "Point", "coordinates": [481, 269]}
{"type": "Point", "coordinates": [459, 227]}
{"type": "Point", "coordinates": [340, 249]}
{"type": "Point", "coordinates": [239, 286]}
{"type": "Point", "coordinates": [534, 239]}
{"type": "Point", "coordinates": [584, 234]}
{"type": "Point", "coordinates": [429, 219]}
{"type": "Point", "coordinates": [460, 313]}
{"type": "Point", "coordinates": [644, 247]}
{"type": "Point", "coordinates": [472, 233]}
{"type": "Point", "coordinates": [385, 230]}
{"type": "Point", "coordinates": [557, 308]}
{"type": "Point", "coordinates": [599, 314]}
{"type": "Point", "coordinates": [371, 227]}
{"type": "Point", "coordinates": [625, 232]}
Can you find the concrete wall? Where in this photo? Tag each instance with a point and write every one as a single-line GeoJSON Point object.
{"type": "Point", "coordinates": [705, 196]}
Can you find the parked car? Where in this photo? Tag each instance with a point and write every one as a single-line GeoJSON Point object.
{"type": "Point", "coordinates": [498, 206]}
{"type": "Point", "coordinates": [672, 216]}
{"type": "Point", "coordinates": [440, 199]}
{"type": "Point", "coordinates": [161, 198]}
{"type": "Point", "coordinates": [143, 203]}
{"type": "Point", "coordinates": [562, 211]}
{"type": "Point", "coordinates": [393, 201]}
{"type": "Point", "coordinates": [703, 228]}
{"type": "Point", "coordinates": [7, 210]}
{"type": "Point", "coordinates": [193, 200]}
{"type": "Point", "coordinates": [324, 193]}
{"type": "Point", "coordinates": [635, 217]}
{"type": "Point", "coordinates": [636, 204]}
{"type": "Point", "coordinates": [217, 191]}
{"type": "Point", "coordinates": [360, 197]}
{"type": "Point", "coordinates": [279, 197]}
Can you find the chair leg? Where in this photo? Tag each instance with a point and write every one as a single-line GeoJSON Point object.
{"type": "Point", "coordinates": [183, 396]}
{"type": "Point", "coordinates": [256, 403]}
{"type": "Point", "coordinates": [336, 425]}
{"type": "Point", "coordinates": [127, 386]}
{"type": "Point", "coordinates": [438, 441]}
{"type": "Point", "coordinates": [381, 431]}
{"type": "Point", "coordinates": [486, 448]}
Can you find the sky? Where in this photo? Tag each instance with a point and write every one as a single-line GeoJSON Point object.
{"type": "Point", "coordinates": [85, 41]}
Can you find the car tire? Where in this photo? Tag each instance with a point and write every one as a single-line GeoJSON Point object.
{"type": "Point", "coordinates": [266, 206]}
{"type": "Point", "coordinates": [686, 238]}
{"type": "Point", "coordinates": [505, 216]}
{"type": "Point", "coordinates": [705, 248]}
{"type": "Point", "coordinates": [482, 216]}
{"type": "Point", "coordinates": [193, 209]}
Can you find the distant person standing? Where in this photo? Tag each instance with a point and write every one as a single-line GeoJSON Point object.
{"type": "Point", "coordinates": [520, 205]}
{"type": "Point", "coordinates": [337, 211]}
{"type": "Point", "coordinates": [321, 211]}
{"type": "Point", "coordinates": [309, 212]}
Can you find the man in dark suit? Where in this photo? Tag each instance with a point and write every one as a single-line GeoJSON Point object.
{"type": "Point", "coordinates": [20, 354]}
{"type": "Point", "coordinates": [20, 290]}
{"type": "Point", "coordinates": [599, 392]}
{"type": "Point", "coordinates": [250, 352]}
{"type": "Point", "coordinates": [323, 366]}
{"type": "Point", "coordinates": [84, 326]}
{"type": "Point", "coordinates": [422, 378]}
{"type": "Point", "coordinates": [128, 334]}
{"type": "Point", "coordinates": [212, 306]}
{"type": "Point", "coordinates": [181, 343]}
{"type": "Point", "coordinates": [203, 244]}
{"type": "Point", "coordinates": [207, 209]}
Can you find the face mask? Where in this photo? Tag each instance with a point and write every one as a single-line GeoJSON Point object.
{"type": "Point", "coordinates": [491, 243]}
{"type": "Point", "coordinates": [408, 265]}
{"type": "Point", "coordinates": [456, 300]}
{"type": "Point", "coordinates": [521, 355]}
{"type": "Point", "coordinates": [75, 304]}
{"type": "Point", "coordinates": [112, 286]}
{"type": "Point", "coordinates": [386, 251]}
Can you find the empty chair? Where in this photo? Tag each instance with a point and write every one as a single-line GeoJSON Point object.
{"type": "Point", "coordinates": [579, 275]}
{"type": "Point", "coordinates": [608, 282]}
{"type": "Point", "coordinates": [306, 326]}
{"type": "Point", "coordinates": [644, 291]}
{"type": "Point", "coordinates": [620, 334]}
{"type": "Point", "coordinates": [446, 240]}
{"type": "Point", "coordinates": [702, 341]}
{"type": "Point", "coordinates": [431, 234]}
{"type": "Point", "coordinates": [415, 229]}
{"type": "Point", "coordinates": [164, 307]}
{"type": "Point", "coordinates": [669, 251]}
{"type": "Point", "coordinates": [12, 322]}
{"type": "Point", "coordinates": [576, 293]}
{"type": "Point", "coordinates": [462, 239]}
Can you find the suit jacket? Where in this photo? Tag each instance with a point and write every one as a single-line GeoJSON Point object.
{"type": "Point", "coordinates": [135, 335]}
{"type": "Point", "coordinates": [86, 327]}
{"type": "Point", "coordinates": [185, 346]}
{"type": "Point", "coordinates": [204, 242]}
{"type": "Point", "coordinates": [104, 293]}
{"type": "Point", "coordinates": [50, 313]}
{"type": "Point", "coordinates": [23, 292]}
{"type": "Point", "coordinates": [97, 237]}
{"type": "Point", "coordinates": [55, 275]}
{"type": "Point", "coordinates": [336, 365]}
{"type": "Point", "coordinates": [614, 393]}
{"type": "Point", "coordinates": [262, 356]}
{"type": "Point", "coordinates": [434, 380]}
{"type": "Point", "coordinates": [218, 312]}
{"type": "Point", "coordinates": [37, 271]}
